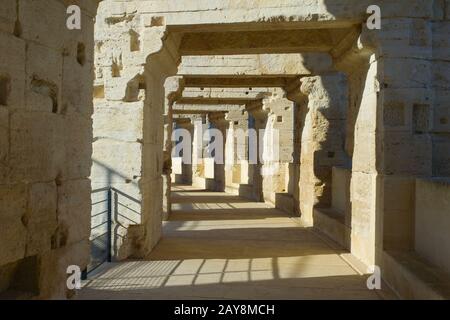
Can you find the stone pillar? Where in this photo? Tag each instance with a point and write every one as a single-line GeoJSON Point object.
{"type": "Point", "coordinates": [131, 68]}
{"type": "Point", "coordinates": [260, 116]}
{"type": "Point", "coordinates": [277, 184]}
{"type": "Point", "coordinates": [199, 123]}
{"type": "Point", "coordinates": [323, 140]}
{"type": "Point", "coordinates": [236, 152]}
{"type": "Point", "coordinates": [300, 100]}
{"type": "Point", "coordinates": [221, 124]}
{"type": "Point", "coordinates": [186, 168]}
{"type": "Point", "coordinates": [174, 89]}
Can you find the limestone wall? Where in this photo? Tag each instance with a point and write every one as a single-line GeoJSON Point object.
{"type": "Point", "coordinates": [45, 146]}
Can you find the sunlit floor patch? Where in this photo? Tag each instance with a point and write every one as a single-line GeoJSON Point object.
{"type": "Point", "coordinates": [260, 253]}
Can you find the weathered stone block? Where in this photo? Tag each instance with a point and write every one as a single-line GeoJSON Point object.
{"type": "Point", "coordinates": [77, 87]}
{"type": "Point", "coordinates": [12, 68]}
{"type": "Point", "coordinates": [13, 234]}
{"type": "Point", "coordinates": [404, 153]}
{"type": "Point", "coordinates": [8, 15]}
{"type": "Point", "coordinates": [77, 147]}
{"type": "Point", "coordinates": [74, 212]}
{"type": "Point", "coordinates": [51, 33]}
{"type": "Point", "coordinates": [41, 220]}
{"type": "Point", "coordinates": [111, 163]}
{"type": "Point", "coordinates": [44, 79]}
{"type": "Point", "coordinates": [37, 146]}
{"type": "Point", "coordinates": [122, 122]}
{"type": "Point", "coordinates": [405, 73]}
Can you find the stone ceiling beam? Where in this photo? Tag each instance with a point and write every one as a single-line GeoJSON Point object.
{"type": "Point", "coordinates": [209, 101]}
{"type": "Point", "coordinates": [203, 108]}
{"type": "Point", "coordinates": [236, 82]}
{"type": "Point", "coordinates": [256, 65]}
{"type": "Point", "coordinates": [227, 93]}
{"type": "Point", "coordinates": [243, 15]}
{"type": "Point", "coordinates": [258, 42]}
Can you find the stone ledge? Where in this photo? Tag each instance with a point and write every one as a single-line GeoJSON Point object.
{"type": "Point", "coordinates": [413, 278]}
{"type": "Point", "coordinates": [285, 202]}
{"type": "Point", "coordinates": [332, 224]}
{"type": "Point", "coordinates": [232, 189]}
{"type": "Point", "coordinates": [246, 191]}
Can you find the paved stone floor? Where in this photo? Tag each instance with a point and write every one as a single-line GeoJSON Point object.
{"type": "Point", "coordinates": [220, 246]}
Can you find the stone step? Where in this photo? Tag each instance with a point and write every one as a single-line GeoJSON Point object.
{"type": "Point", "coordinates": [414, 278]}
{"type": "Point", "coordinates": [332, 223]}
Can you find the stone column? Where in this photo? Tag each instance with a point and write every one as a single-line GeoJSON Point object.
{"type": "Point", "coordinates": [277, 184]}
{"type": "Point", "coordinates": [221, 124]}
{"type": "Point", "coordinates": [260, 116]}
{"type": "Point", "coordinates": [198, 145]}
{"type": "Point", "coordinates": [133, 59]}
{"type": "Point", "coordinates": [186, 168]}
{"type": "Point", "coordinates": [323, 140]}
{"type": "Point", "coordinates": [300, 100]}
{"type": "Point", "coordinates": [174, 88]}
{"type": "Point", "coordinates": [236, 152]}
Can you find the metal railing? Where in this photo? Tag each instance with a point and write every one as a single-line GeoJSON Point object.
{"type": "Point", "coordinates": [106, 215]}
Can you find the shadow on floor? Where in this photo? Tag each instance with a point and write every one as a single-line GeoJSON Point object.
{"type": "Point", "coordinates": [222, 280]}
{"type": "Point", "coordinates": [229, 248]}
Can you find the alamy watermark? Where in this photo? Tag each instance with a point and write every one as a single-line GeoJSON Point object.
{"type": "Point", "coordinates": [73, 281]}
{"type": "Point", "coordinates": [374, 281]}
{"type": "Point", "coordinates": [233, 147]}
{"type": "Point", "coordinates": [73, 21]}
{"type": "Point", "coordinates": [374, 20]}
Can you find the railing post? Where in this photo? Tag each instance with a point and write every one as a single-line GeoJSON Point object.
{"type": "Point", "coordinates": [84, 274]}
{"type": "Point", "coordinates": [109, 225]}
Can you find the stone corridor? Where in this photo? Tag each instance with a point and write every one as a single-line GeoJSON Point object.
{"type": "Point", "coordinates": [220, 246]}
{"type": "Point", "coordinates": [299, 105]}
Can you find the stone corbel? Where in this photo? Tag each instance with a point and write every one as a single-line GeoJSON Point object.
{"type": "Point", "coordinates": [218, 119]}
{"type": "Point", "coordinates": [174, 87]}
{"type": "Point", "coordinates": [257, 109]}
